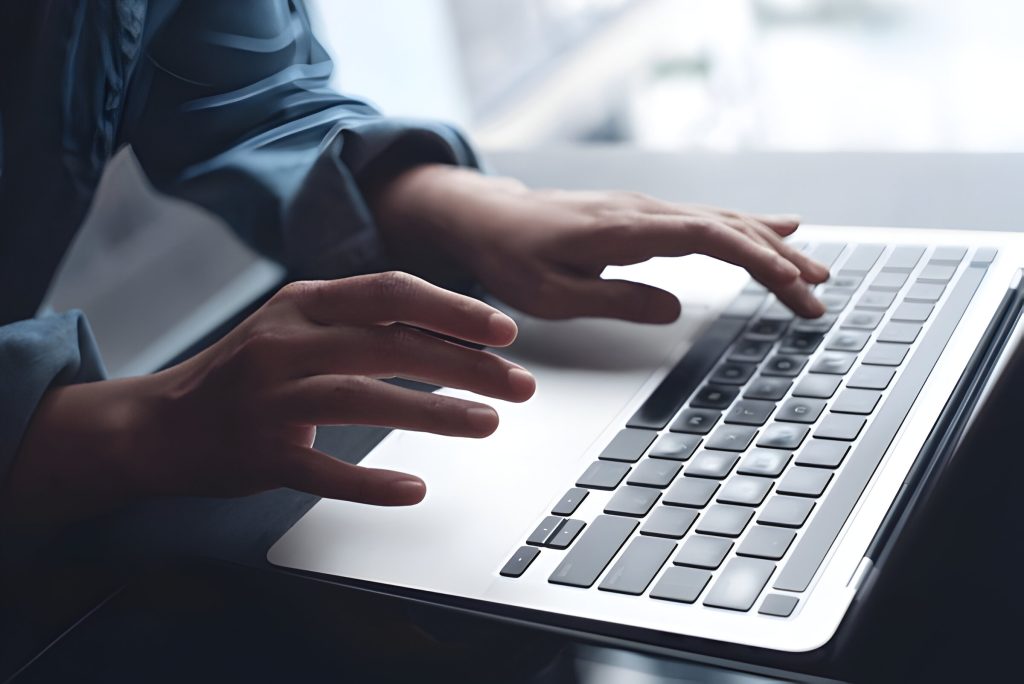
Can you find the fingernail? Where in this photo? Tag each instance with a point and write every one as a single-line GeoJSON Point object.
{"type": "Point", "coordinates": [410, 490]}
{"type": "Point", "coordinates": [502, 326]}
{"type": "Point", "coordinates": [482, 418]}
{"type": "Point", "coordinates": [521, 381]}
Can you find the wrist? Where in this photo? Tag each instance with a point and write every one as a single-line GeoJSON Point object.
{"type": "Point", "coordinates": [432, 220]}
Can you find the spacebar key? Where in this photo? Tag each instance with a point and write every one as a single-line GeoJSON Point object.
{"type": "Point", "coordinates": [810, 551]}
{"type": "Point", "coordinates": [665, 400]}
{"type": "Point", "coordinates": [593, 551]}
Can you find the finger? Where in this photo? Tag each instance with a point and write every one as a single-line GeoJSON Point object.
{"type": "Point", "coordinates": [400, 351]}
{"type": "Point", "coordinates": [396, 297]}
{"type": "Point", "coordinates": [769, 230]}
{"type": "Point", "coordinates": [651, 235]}
{"type": "Point", "coordinates": [799, 297]}
{"type": "Point", "coordinates": [312, 471]}
{"type": "Point", "coordinates": [810, 270]}
{"type": "Point", "coordinates": [573, 296]}
{"type": "Point", "coordinates": [357, 400]}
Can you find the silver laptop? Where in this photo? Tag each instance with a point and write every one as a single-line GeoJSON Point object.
{"type": "Point", "coordinates": [730, 477]}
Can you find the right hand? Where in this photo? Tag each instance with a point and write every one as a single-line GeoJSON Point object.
{"type": "Point", "coordinates": [241, 416]}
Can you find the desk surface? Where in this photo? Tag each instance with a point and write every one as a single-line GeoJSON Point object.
{"type": "Point", "coordinates": [962, 191]}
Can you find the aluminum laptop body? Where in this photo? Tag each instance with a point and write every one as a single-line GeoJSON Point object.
{"type": "Point", "coordinates": [488, 499]}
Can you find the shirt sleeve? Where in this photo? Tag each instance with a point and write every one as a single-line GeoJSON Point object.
{"type": "Point", "coordinates": [232, 111]}
{"type": "Point", "coordinates": [36, 355]}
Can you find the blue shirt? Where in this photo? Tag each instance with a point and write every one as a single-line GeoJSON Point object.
{"type": "Point", "coordinates": [226, 104]}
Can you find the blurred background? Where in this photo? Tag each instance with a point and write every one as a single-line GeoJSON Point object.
{"type": "Point", "coordinates": [670, 75]}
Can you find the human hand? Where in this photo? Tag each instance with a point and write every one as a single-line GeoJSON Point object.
{"type": "Point", "coordinates": [240, 417]}
{"type": "Point", "coordinates": [543, 251]}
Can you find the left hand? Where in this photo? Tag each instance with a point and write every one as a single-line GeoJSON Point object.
{"type": "Point", "coordinates": [543, 251]}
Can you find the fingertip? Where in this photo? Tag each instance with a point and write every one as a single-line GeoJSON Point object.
{"type": "Point", "coordinates": [502, 329]}
{"type": "Point", "coordinates": [522, 382]}
{"type": "Point", "coordinates": [406, 491]}
{"type": "Point", "coordinates": [483, 420]}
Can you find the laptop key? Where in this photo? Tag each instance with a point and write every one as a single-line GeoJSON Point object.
{"type": "Point", "coordinates": [675, 446]}
{"type": "Point", "coordinates": [833, 363]}
{"type": "Point", "coordinates": [703, 552]}
{"type": "Point", "coordinates": [848, 280]}
{"type": "Point", "coordinates": [925, 292]}
{"type": "Point", "coordinates": [787, 366]}
{"type": "Point", "coordinates": [669, 521]}
{"type": "Point", "coordinates": [786, 511]}
{"type": "Point", "coordinates": [628, 446]}
{"type": "Point", "coordinates": [750, 412]}
{"type": "Point", "coordinates": [603, 475]}
{"type": "Point", "coordinates": [724, 520]}
{"type": "Point", "coordinates": [936, 273]}
{"type": "Point", "coordinates": [695, 421]}
{"type": "Point", "coordinates": [904, 258]}
{"type": "Point", "coordinates": [566, 534]}
{"type": "Point", "coordinates": [520, 561]}
{"type": "Point", "coordinates": [848, 340]}
{"type": "Point", "coordinates": [857, 401]}
{"type": "Point", "coordinates": [817, 386]}
{"type": "Point", "coordinates": [711, 464]}
{"type": "Point", "coordinates": [783, 436]}
{"type": "Point", "coordinates": [633, 501]}
{"type": "Point", "coordinates": [766, 542]}
{"type": "Point", "coordinates": [800, 410]}
{"type": "Point", "coordinates": [948, 254]}
{"type": "Point", "coordinates": [823, 453]}
{"type": "Point", "coordinates": [731, 438]}
{"type": "Point", "coordinates": [840, 426]}
{"type": "Point", "coordinates": [862, 320]}
{"type": "Point", "coordinates": [545, 531]}
{"type": "Point", "coordinates": [771, 389]}
{"type": "Point", "coordinates": [733, 373]}
{"type": "Point", "coordinates": [822, 324]}
{"type": "Point", "coordinates": [683, 585]}
{"type": "Point", "coordinates": [749, 351]}
{"type": "Point", "coordinates": [637, 565]}
{"type": "Point", "coordinates": [834, 300]}
{"type": "Point", "coordinates": [871, 377]}
{"type": "Point", "coordinates": [877, 300]}
{"type": "Point", "coordinates": [764, 329]}
{"type": "Point", "coordinates": [900, 333]}
{"type": "Point", "coordinates": [653, 472]}
{"type": "Point", "coordinates": [810, 482]}
{"type": "Point", "coordinates": [691, 491]}
{"type": "Point", "coordinates": [568, 504]}
{"type": "Point", "coordinates": [592, 552]}
{"type": "Point", "coordinates": [885, 354]}
{"type": "Point", "coordinates": [764, 462]}
{"type": "Point", "coordinates": [778, 605]}
{"type": "Point", "coordinates": [744, 491]}
{"type": "Point", "coordinates": [890, 280]}
{"type": "Point", "coordinates": [714, 397]}
{"type": "Point", "coordinates": [800, 343]}
{"type": "Point", "coordinates": [914, 312]}
{"type": "Point", "coordinates": [740, 583]}
{"type": "Point", "coordinates": [863, 258]}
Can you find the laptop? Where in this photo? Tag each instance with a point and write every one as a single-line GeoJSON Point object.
{"type": "Point", "coordinates": [729, 479]}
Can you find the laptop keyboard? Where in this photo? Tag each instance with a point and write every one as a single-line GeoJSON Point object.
{"type": "Point", "coordinates": [734, 478]}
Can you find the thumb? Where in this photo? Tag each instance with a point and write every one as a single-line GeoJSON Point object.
{"type": "Point", "coordinates": [314, 472]}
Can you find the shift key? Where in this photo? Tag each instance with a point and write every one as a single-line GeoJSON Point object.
{"type": "Point", "coordinates": [593, 551]}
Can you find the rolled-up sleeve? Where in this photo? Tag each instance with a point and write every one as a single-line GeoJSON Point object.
{"type": "Point", "coordinates": [236, 115]}
{"type": "Point", "coordinates": [36, 355]}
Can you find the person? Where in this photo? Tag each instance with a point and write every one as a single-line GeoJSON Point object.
{"type": "Point", "coordinates": [382, 223]}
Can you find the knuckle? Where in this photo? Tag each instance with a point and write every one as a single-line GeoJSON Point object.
{"type": "Point", "coordinates": [393, 285]}
{"type": "Point", "coordinates": [298, 290]}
